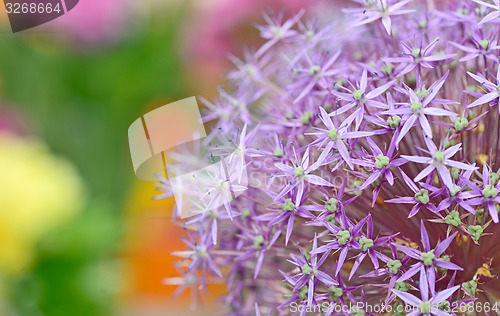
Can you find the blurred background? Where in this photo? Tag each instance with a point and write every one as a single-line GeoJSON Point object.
{"type": "Point", "coordinates": [79, 234]}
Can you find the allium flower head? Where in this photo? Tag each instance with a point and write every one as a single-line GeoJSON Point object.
{"type": "Point", "coordinates": [371, 141]}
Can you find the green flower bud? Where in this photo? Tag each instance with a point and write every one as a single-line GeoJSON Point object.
{"type": "Point", "coordinates": [246, 212]}
{"type": "Point", "coordinates": [358, 94]}
{"type": "Point", "coordinates": [201, 252]}
{"type": "Point", "coordinates": [339, 83]}
{"type": "Point", "coordinates": [306, 269]}
{"type": "Point", "coordinates": [381, 161]}
{"type": "Point", "coordinates": [357, 311]}
{"type": "Point", "coordinates": [398, 309]}
{"type": "Point", "coordinates": [343, 236]}
{"type": "Point", "coordinates": [287, 206]}
{"type": "Point", "coordinates": [303, 292]}
{"type": "Point", "coordinates": [401, 286]}
{"type": "Point", "coordinates": [387, 69]}
{"type": "Point", "coordinates": [455, 190]}
{"type": "Point", "coordinates": [422, 196]}
{"type": "Point", "coordinates": [314, 70]}
{"type": "Point", "coordinates": [422, 93]}
{"type": "Point", "coordinates": [453, 218]}
{"type": "Point", "coordinates": [357, 184]}
{"type": "Point", "coordinates": [484, 44]}
{"type": "Point", "coordinates": [416, 52]}
{"type": "Point", "coordinates": [278, 153]}
{"type": "Point", "coordinates": [365, 243]}
{"type": "Point", "coordinates": [331, 219]}
{"type": "Point", "coordinates": [438, 156]}
{"type": "Point", "coordinates": [445, 306]}
{"type": "Point", "coordinates": [298, 171]}
{"type": "Point", "coordinates": [425, 307]}
{"type": "Point", "coordinates": [306, 117]}
{"type": "Point", "coordinates": [258, 242]}
{"type": "Point", "coordinates": [331, 205]}
{"type": "Point", "coordinates": [460, 123]}
{"type": "Point", "coordinates": [476, 231]}
{"type": "Point", "coordinates": [393, 266]}
{"type": "Point", "coordinates": [335, 293]}
{"type": "Point", "coordinates": [490, 191]}
{"type": "Point", "coordinates": [415, 107]}
{"type": "Point", "coordinates": [428, 257]}
{"type": "Point", "coordinates": [493, 178]}
{"type": "Point", "coordinates": [479, 214]}
{"type": "Point", "coordinates": [332, 134]}
{"type": "Point", "coordinates": [308, 34]}
{"type": "Point", "coordinates": [222, 185]}
{"type": "Point", "coordinates": [394, 121]}
{"type": "Point", "coordinates": [470, 287]}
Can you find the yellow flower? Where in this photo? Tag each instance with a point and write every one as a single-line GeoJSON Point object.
{"type": "Point", "coordinates": [38, 192]}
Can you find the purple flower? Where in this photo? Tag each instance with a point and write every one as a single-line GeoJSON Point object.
{"type": "Point", "coordinates": [393, 269]}
{"type": "Point", "coordinates": [220, 188]}
{"type": "Point", "coordinates": [360, 97]}
{"type": "Point", "coordinates": [339, 294]}
{"type": "Point", "coordinates": [417, 56]}
{"type": "Point", "coordinates": [428, 259]}
{"type": "Point", "coordinates": [459, 194]}
{"type": "Point", "coordinates": [333, 137]}
{"type": "Point", "coordinates": [418, 108]}
{"type": "Point", "coordinates": [346, 238]}
{"type": "Point", "coordinates": [299, 174]}
{"type": "Point", "coordinates": [492, 15]}
{"type": "Point", "coordinates": [488, 194]}
{"type": "Point", "coordinates": [288, 209]}
{"type": "Point", "coordinates": [367, 244]}
{"type": "Point", "coordinates": [494, 89]}
{"type": "Point", "coordinates": [426, 305]}
{"type": "Point", "coordinates": [276, 31]}
{"type": "Point", "coordinates": [439, 159]}
{"type": "Point", "coordinates": [317, 72]}
{"type": "Point", "coordinates": [309, 272]}
{"type": "Point", "coordinates": [421, 198]}
{"type": "Point", "coordinates": [483, 47]}
{"type": "Point", "coordinates": [212, 217]}
{"type": "Point", "coordinates": [258, 242]}
{"type": "Point", "coordinates": [383, 10]}
{"type": "Point", "coordinates": [326, 180]}
{"type": "Point", "coordinates": [381, 163]}
{"type": "Point", "coordinates": [200, 256]}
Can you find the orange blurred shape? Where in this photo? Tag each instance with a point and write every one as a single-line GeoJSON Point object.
{"type": "Point", "coordinates": [151, 237]}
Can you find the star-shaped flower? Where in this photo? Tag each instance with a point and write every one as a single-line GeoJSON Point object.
{"type": "Point", "coordinates": [492, 15]}
{"type": "Point", "coordinates": [334, 137]}
{"type": "Point", "coordinates": [418, 108]}
{"type": "Point", "coordinates": [439, 160]}
{"type": "Point", "coordinates": [417, 56]}
{"type": "Point", "coordinates": [428, 259]}
{"type": "Point", "coordinates": [383, 10]}
{"type": "Point", "coordinates": [421, 198]}
{"type": "Point", "coordinates": [488, 194]}
{"type": "Point", "coordinates": [425, 305]}
{"type": "Point", "coordinates": [494, 89]}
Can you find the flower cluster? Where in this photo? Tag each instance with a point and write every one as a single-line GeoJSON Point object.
{"type": "Point", "coordinates": [371, 143]}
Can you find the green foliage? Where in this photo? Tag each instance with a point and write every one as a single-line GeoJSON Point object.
{"type": "Point", "coordinates": [82, 104]}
